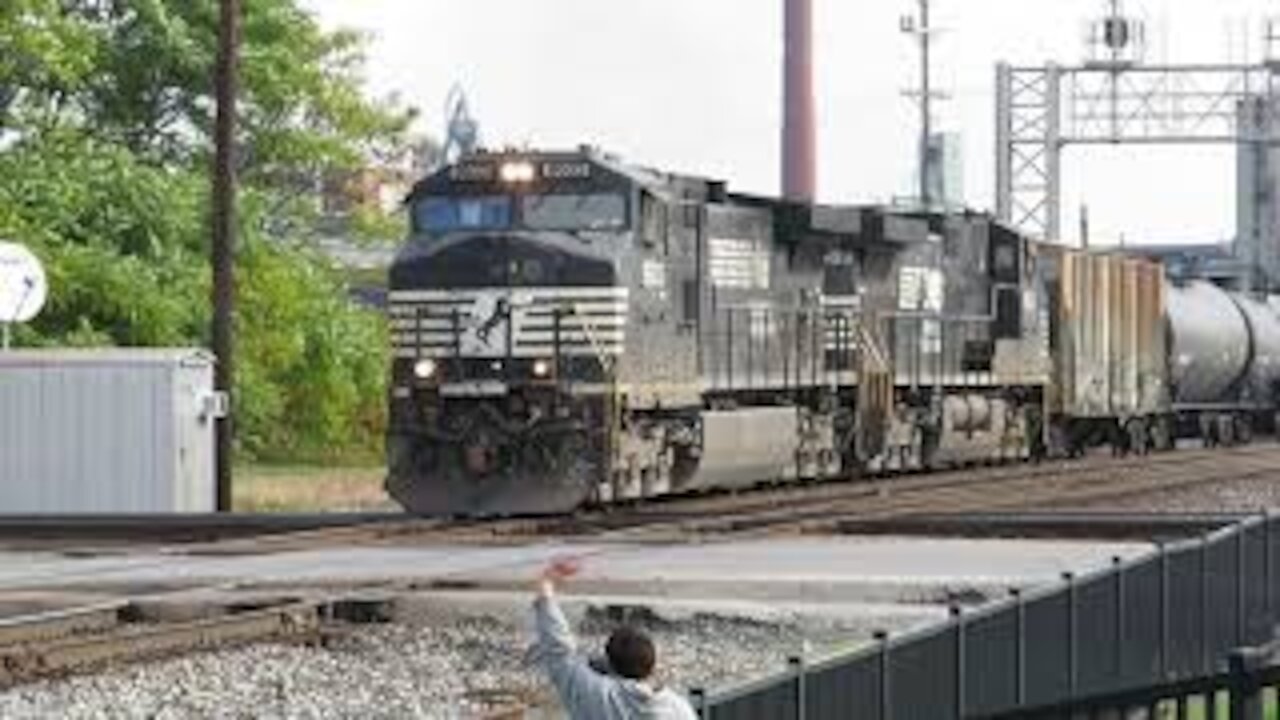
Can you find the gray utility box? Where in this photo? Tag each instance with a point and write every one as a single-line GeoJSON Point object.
{"type": "Point", "coordinates": [107, 431]}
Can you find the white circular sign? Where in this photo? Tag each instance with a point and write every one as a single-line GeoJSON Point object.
{"type": "Point", "coordinates": [23, 286]}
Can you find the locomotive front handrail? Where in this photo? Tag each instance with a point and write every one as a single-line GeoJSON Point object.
{"type": "Point", "coordinates": [589, 331]}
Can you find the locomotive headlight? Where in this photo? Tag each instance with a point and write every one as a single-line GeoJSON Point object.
{"type": "Point", "coordinates": [425, 369]}
{"type": "Point", "coordinates": [542, 369]}
{"type": "Point", "coordinates": [517, 172]}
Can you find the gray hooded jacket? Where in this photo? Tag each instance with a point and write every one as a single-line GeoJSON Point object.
{"type": "Point", "coordinates": [588, 694]}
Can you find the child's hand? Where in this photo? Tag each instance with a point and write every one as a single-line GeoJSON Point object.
{"type": "Point", "coordinates": [562, 569]}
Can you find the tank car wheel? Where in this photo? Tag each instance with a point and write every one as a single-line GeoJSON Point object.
{"type": "Point", "coordinates": [1243, 429]}
{"type": "Point", "coordinates": [1137, 436]}
{"type": "Point", "coordinates": [1208, 430]}
{"type": "Point", "coordinates": [1226, 430]}
{"type": "Point", "coordinates": [1161, 435]}
{"type": "Point", "coordinates": [1118, 437]}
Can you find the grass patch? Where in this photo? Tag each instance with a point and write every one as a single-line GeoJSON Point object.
{"type": "Point", "coordinates": [310, 489]}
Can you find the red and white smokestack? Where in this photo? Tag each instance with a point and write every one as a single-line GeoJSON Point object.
{"type": "Point", "coordinates": [799, 124]}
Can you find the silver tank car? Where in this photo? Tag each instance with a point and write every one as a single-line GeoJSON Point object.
{"type": "Point", "coordinates": [1264, 327]}
{"type": "Point", "coordinates": [1210, 342]}
{"type": "Point", "coordinates": [1225, 346]}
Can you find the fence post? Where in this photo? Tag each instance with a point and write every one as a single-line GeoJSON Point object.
{"type": "Point", "coordinates": [698, 699]}
{"type": "Point", "coordinates": [1206, 654]}
{"type": "Point", "coordinates": [886, 705]}
{"type": "Point", "coordinates": [796, 665]}
{"type": "Point", "coordinates": [1241, 587]}
{"type": "Point", "coordinates": [1164, 611]}
{"type": "Point", "coordinates": [957, 616]}
{"type": "Point", "coordinates": [1069, 578]}
{"type": "Point", "coordinates": [1117, 562]}
{"type": "Point", "coordinates": [1246, 691]}
{"type": "Point", "coordinates": [1268, 594]}
{"type": "Point", "coordinates": [1020, 648]}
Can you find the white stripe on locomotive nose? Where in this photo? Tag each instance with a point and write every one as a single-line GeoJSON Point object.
{"type": "Point", "coordinates": [534, 293]}
{"type": "Point", "coordinates": [444, 314]}
{"type": "Point", "coordinates": [534, 336]}
{"type": "Point", "coordinates": [423, 322]}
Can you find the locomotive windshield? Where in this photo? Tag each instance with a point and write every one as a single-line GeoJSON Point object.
{"type": "Point", "coordinates": [598, 211]}
{"type": "Point", "coordinates": [567, 212]}
{"type": "Point", "coordinates": [447, 214]}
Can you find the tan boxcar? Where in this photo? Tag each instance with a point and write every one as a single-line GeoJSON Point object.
{"type": "Point", "coordinates": [1108, 335]}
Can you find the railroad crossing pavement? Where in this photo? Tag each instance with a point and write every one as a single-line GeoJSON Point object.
{"type": "Point", "coordinates": [863, 572]}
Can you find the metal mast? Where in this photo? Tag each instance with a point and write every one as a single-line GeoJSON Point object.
{"type": "Point", "coordinates": [921, 27]}
{"type": "Point", "coordinates": [926, 106]}
{"type": "Point", "coordinates": [462, 131]}
{"type": "Point", "coordinates": [1116, 99]}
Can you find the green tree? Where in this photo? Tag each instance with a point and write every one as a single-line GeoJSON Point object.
{"type": "Point", "coordinates": [44, 55]}
{"type": "Point", "coordinates": [105, 112]}
{"type": "Point", "coordinates": [140, 73]}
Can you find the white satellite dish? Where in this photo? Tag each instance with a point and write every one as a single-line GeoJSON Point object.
{"type": "Point", "coordinates": [23, 286]}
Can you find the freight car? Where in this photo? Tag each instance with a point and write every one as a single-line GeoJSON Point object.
{"type": "Point", "coordinates": [1142, 361]}
{"type": "Point", "coordinates": [568, 329]}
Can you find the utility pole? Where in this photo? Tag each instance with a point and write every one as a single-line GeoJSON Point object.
{"type": "Point", "coordinates": [223, 220]}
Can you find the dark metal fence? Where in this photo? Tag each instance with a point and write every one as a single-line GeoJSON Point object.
{"type": "Point", "coordinates": [1245, 691]}
{"type": "Point", "coordinates": [1172, 616]}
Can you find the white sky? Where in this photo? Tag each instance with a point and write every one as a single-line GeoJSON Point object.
{"type": "Point", "coordinates": [693, 85]}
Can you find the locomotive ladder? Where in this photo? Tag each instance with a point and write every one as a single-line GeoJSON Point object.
{"type": "Point", "coordinates": [875, 393]}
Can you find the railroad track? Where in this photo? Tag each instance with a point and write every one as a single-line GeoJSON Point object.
{"type": "Point", "coordinates": [90, 638]}
{"type": "Point", "coordinates": [203, 527]}
{"type": "Point", "coordinates": [1023, 524]}
{"type": "Point", "coordinates": [839, 507]}
{"type": "Point", "coordinates": [842, 507]}
{"type": "Point", "coordinates": [823, 507]}
{"type": "Point", "coordinates": [1062, 484]}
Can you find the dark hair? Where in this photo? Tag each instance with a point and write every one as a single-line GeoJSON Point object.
{"type": "Point", "coordinates": [631, 653]}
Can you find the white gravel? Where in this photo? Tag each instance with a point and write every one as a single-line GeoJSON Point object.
{"type": "Point", "coordinates": [1253, 495]}
{"type": "Point", "coordinates": [432, 670]}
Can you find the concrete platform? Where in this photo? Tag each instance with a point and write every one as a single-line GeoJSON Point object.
{"type": "Point", "coordinates": [844, 571]}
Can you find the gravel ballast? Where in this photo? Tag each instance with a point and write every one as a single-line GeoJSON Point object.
{"type": "Point", "coordinates": [1244, 496]}
{"type": "Point", "coordinates": [460, 665]}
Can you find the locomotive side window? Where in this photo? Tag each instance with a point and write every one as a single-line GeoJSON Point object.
{"type": "Point", "coordinates": [653, 219]}
{"type": "Point", "coordinates": [598, 211]}
{"type": "Point", "coordinates": [449, 214]}
{"type": "Point", "coordinates": [689, 302]}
